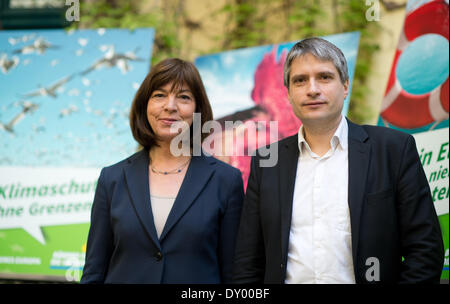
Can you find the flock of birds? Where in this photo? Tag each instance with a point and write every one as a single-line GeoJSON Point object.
{"type": "Point", "coordinates": [28, 103]}
{"type": "Point", "coordinates": [109, 60]}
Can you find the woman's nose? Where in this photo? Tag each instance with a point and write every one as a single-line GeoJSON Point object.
{"type": "Point", "coordinates": [171, 104]}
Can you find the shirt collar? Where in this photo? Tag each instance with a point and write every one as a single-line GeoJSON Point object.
{"type": "Point", "coordinates": [339, 139]}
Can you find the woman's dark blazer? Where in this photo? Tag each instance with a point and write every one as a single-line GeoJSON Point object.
{"type": "Point", "coordinates": [197, 242]}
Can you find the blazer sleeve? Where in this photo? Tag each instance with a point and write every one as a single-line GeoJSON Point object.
{"type": "Point", "coordinates": [229, 227]}
{"type": "Point", "coordinates": [249, 262]}
{"type": "Point", "coordinates": [100, 238]}
{"type": "Point", "coordinates": [421, 238]}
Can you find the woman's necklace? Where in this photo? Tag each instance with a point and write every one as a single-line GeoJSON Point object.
{"type": "Point", "coordinates": [174, 171]}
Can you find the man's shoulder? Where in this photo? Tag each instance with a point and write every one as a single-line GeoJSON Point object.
{"type": "Point", "coordinates": [271, 155]}
{"type": "Point", "coordinates": [378, 133]}
{"type": "Point", "coordinates": [384, 132]}
{"type": "Point", "coordinates": [287, 141]}
{"type": "Point", "coordinates": [293, 139]}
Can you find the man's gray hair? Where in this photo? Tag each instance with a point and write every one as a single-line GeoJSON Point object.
{"type": "Point", "coordinates": [322, 50]}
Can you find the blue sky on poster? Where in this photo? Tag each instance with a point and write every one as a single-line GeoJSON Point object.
{"type": "Point", "coordinates": [228, 76]}
{"type": "Point", "coordinates": [87, 123]}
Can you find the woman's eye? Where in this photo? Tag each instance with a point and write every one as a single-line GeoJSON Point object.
{"type": "Point", "coordinates": [185, 97]}
{"type": "Point", "coordinates": [158, 95]}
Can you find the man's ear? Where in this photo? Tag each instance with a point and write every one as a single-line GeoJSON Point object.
{"type": "Point", "coordinates": [346, 85]}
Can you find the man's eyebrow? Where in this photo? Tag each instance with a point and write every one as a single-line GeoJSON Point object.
{"type": "Point", "coordinates": [327, 73]}
{"type": "Point", "coordinates": [297, 76]}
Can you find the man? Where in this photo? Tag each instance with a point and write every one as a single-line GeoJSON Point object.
{"type": "Point", "coordinates": [345, 203]}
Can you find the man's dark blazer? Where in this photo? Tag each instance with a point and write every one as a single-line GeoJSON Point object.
{"type": "Point", "coordinates": [198, 239]}
{"type": "Point", "coordinates": [391, 211]}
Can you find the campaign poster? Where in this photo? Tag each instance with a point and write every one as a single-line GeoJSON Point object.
{"type": "Point", "coordinates": [64, 105]}
{"type": "Point", "coordinates": [246, 86]}
{"type": "Point", "coordinates": [416, 100]}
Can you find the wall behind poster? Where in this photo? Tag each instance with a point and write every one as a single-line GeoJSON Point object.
{"type": "Point", "coordinates": [65, 98]}
{"type": "Point", "coordinates": [417, 100]}
{"type": "Point", "coordinates": [246, 85]}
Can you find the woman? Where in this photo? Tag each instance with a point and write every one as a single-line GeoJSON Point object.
{"type": "Point", "coordinates": [161, 218]}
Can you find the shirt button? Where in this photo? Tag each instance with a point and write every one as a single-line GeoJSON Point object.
{"type": "Point", "coordinates": [158, 256]}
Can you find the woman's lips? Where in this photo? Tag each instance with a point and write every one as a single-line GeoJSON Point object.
{"type": "Point", "coordinates": [168, 121]}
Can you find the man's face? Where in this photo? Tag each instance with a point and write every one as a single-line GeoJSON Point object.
{"type": "Point", "coordinates": [316, 92]}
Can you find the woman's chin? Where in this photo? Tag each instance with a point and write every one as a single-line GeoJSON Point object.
{"type": "Point", "coordinates": [167, 138]}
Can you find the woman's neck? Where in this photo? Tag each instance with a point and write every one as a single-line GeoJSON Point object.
{"type": "Point", "coordinates": [162, 155]}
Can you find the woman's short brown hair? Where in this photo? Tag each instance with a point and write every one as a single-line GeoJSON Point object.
{"type": "Point", "coordinates": [179, 73]}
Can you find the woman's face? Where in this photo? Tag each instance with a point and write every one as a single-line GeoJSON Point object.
{"type": "Point", "coordinates": [164, 108]}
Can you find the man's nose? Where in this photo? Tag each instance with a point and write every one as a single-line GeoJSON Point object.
{"type": "Point", "coordinates": [313, 88]}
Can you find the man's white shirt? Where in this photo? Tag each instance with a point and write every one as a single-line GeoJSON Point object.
{"type": "Point", "coordinates": [320, 247]}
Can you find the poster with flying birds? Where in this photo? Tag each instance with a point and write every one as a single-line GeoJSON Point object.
{"type": "Point", "coordinates": [64, 105]}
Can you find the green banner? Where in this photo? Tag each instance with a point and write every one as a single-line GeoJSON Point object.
{"type": "Point", "coordinates": [64, 112]}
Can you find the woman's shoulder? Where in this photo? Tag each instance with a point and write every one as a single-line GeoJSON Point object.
{"type": "Point", "coordinates": [222, 167]}
{"type": "Point", "coordinates": [125, 162]}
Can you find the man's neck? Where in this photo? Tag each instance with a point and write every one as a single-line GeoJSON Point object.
{"type": "Point", "coordinates": [318, 135]}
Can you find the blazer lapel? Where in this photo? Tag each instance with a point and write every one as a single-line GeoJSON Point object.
{"type": "Point", "coordinates": [197, 176]}
{"type": "Point", "coordinates": [136, 176]}
{"type": "Point", "coordinates": [287, 172]}
{"type": "Point", "coordinates": [358, 165]}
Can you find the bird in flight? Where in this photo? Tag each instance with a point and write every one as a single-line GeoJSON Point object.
{"type": "Point", "coordinates": [112, 59]}
{"type": "Point", "coordinates": [8, 64]}
{"type": "Point", "coordinates": [39, 46]}
{"type": "Point", "coordinates": [27, 108]}
{"type": "Point", "coordinates": [25, 38]}
{"type": "Point", "coordinates": [49, 91]}
{"type": "Point", "coordinates": [67, 111]}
